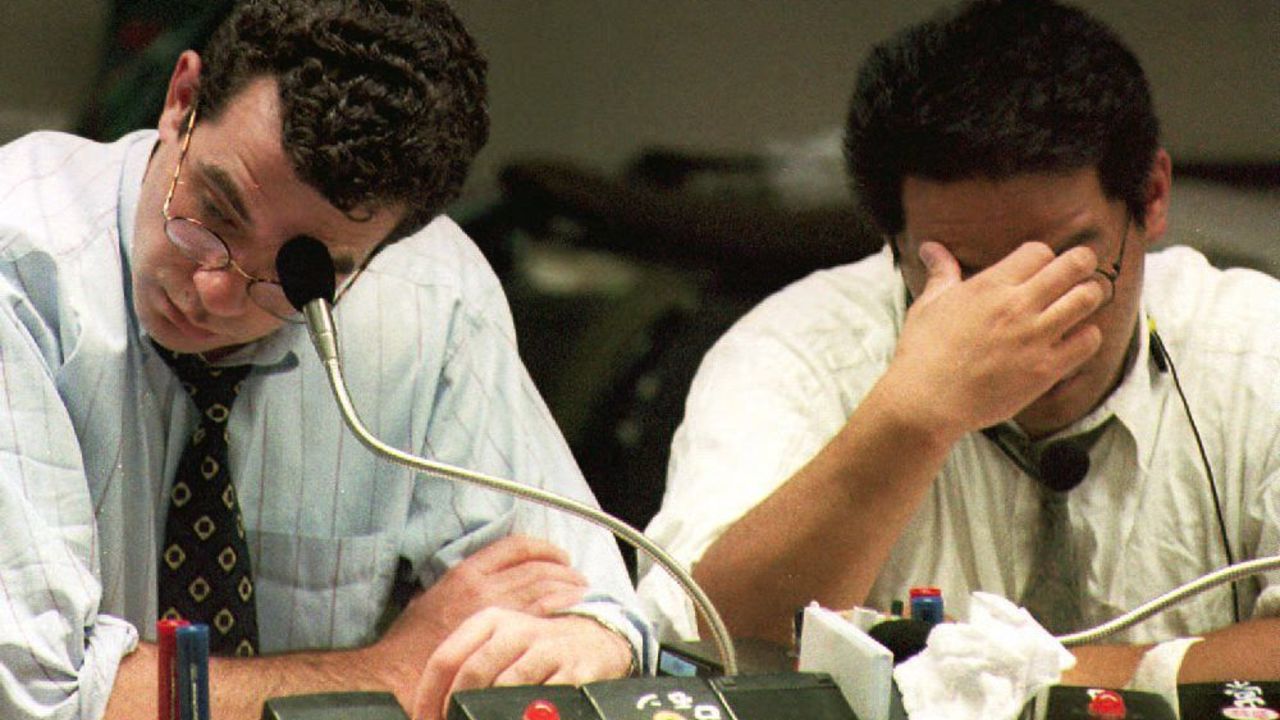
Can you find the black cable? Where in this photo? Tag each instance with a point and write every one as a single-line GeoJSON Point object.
{"type": "Point", "coordinates": [1162, 352]}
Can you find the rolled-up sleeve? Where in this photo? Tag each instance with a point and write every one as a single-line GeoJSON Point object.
{"type": "Point", "coordinates": [1268, 604]}
{"type": "Point", "coordinates": [58, 656]}
{"type": "Point", "coordinates": [34, 686]}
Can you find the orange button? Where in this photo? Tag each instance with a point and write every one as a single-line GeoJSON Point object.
{"type": "Point", "coordinates": [541, 710]}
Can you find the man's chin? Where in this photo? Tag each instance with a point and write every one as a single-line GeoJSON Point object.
{"type": "Point", "coordinates": [179, 344]}
{"type": "Point", "coordinates": [175, 332]}
{"type": "Point", "coordinates": [171, 337]}
{"type": "Point", "coordinates": [1051, 412]}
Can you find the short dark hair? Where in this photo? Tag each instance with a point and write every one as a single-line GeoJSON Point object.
{"type": "Point", "coordinates": [998, 89]}
{"type": "Point", "coordinates": [383, 101]}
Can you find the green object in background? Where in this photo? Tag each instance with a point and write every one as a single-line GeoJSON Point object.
{"type": "Point", "coordinates": [144, 40]}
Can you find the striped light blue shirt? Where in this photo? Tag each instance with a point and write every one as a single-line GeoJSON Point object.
{"type": "Point", "coordinates": [92, 423]}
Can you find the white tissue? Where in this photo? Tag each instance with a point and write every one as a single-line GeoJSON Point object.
{"type": "Point", "coordinates": [984, 669]}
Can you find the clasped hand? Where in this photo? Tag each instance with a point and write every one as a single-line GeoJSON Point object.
{"type": "Point", "coordinates": [490, 622]}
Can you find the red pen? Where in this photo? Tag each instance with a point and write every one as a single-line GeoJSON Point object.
{"type": "Point", "coordinates": [167, 664]}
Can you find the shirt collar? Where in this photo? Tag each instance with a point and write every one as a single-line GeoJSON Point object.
{"type": "Point", "coordinates": [132, 172]}
{"type": "Point", "coordinates": [1134, 401]}
{"type": "Point", "coordinates": [1139, 398]}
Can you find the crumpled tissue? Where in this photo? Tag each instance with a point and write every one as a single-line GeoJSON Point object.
{"type": "Point", "coordinates": [984, 669]}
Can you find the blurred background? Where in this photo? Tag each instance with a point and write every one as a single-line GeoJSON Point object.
{"type": "Point", "coordinates": [598, 80]}
{"type": "Point", "coordinates": [657, 167]}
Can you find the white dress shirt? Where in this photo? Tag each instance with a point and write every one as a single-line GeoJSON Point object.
{"type": "Point", "coordinates": [785, 379]}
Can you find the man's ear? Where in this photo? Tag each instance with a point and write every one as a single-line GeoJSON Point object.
{"type": "Point", "coordinates": [1159, 185]}
{"type": "Point", "coordinates": [180, 98]}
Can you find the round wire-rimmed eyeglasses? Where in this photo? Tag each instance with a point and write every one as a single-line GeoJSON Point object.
{"type": "Point", "coordinates": [1112, 273]}
{"type": "Point", "coordinates": [200, 244]}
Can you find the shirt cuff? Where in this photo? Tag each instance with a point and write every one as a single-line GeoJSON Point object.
{"type": "Point", "coordinates": [624, 622]}
{"type": "Point", "coordinates": [110, 640]}
{"type": "Point", "coordinates": [1158, 670]}
{"type": "Point", "coordinates": [1268, 603]}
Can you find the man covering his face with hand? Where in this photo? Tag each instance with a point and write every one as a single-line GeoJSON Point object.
{"type": "Point", "coordinates": [901, 421]}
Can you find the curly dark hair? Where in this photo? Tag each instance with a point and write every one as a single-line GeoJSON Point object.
{"type": "Point", "coordinates": [1000, 88]}
{"type": "Point", "coordinates": [383, 101]}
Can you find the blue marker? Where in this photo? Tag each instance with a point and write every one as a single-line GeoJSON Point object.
{"type": "Point", "coordinates": [193, 672]}
{"type": "Point", "coordinates": [926, 604]}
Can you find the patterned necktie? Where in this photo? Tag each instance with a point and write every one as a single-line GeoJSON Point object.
{"type": "Point", "coordinates": [1052, 595]}
{"type": "Point", "coordinates": [205, 574]}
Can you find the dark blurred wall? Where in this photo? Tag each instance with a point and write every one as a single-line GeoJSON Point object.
{"type": "Point", "coordinates": [49, 54]}
{"type": "Point", "coordinates": [596, 80]}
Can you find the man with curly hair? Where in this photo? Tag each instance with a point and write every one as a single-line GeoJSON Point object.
{"type": "Point", "coordinates": [124, 266]}
{"type": "Point", "coordinates": [920, 417]}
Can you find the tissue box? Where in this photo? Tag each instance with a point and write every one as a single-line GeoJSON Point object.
{"type": "Point", "coordinates": [862, 667]}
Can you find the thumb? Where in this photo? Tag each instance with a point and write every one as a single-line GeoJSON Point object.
{"type": "Point", "coordinates": [942, 270]}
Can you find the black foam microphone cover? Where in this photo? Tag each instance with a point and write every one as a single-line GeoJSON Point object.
{"type": "Point", "coordinates": [1063, 465]}
{"type": "Point", "coordinates": [904, 638]}
{"type": "Point", "coordinates": [305, 270]}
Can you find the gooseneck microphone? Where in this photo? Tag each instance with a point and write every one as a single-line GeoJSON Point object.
{"type": "Point", "coordinates": [1060, 466]}
{"type": "Point", "coordinates": [307, 274]}
{"type": "Point", "coordinates": [1228, 574]}
{"type": "Point", "coordinates": [1063, 465]}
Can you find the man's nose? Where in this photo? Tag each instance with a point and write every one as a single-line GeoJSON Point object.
{"type": "Point", "coordinates": [222, 292]}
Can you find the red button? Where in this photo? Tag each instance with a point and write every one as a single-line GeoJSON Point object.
{"type": "Point", "coordinates": [541, 710]}
{"type": "Point", "coordinates": [1107, 705]}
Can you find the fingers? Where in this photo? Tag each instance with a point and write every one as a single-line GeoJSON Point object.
{"type": "Point", "coordinates": [1077, 347]}
{"type": "Point", "coordinates": [1033, 267]}
{"type": "Point", "coordinates": [549, 601]}
{"type": "Point", "coordinates": [1062, 274]}
{"type": "Point", "coordinates": [536, 596]}
{"type": "Point", "coordinates": [1058, 291]}
{"type": "Point", "coordinates": [531, 668]}
{"type": "Point", "coordinates": [540, 571]}
{"type": "Point", "coordinates": [494, 647]}
{"type": "Point", "coordinates": [499, 647]}
{"type": "Point", "coordinates": [514, 550]}
{"type": "Point", "coordinates": [942, 270]}
{"type": "Point", "coordinates": [536, 587]}
{"type": "Point", "coordinates": [1020, 265]}
{"type": "Point", "coordinates": [438, 676]}
{"type": "Point", "coordinates": [516, 572]}
{"type": "Point", "coordinates": [1076, 303]}
{"type": "Point", "coordinates": [505, 655]}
